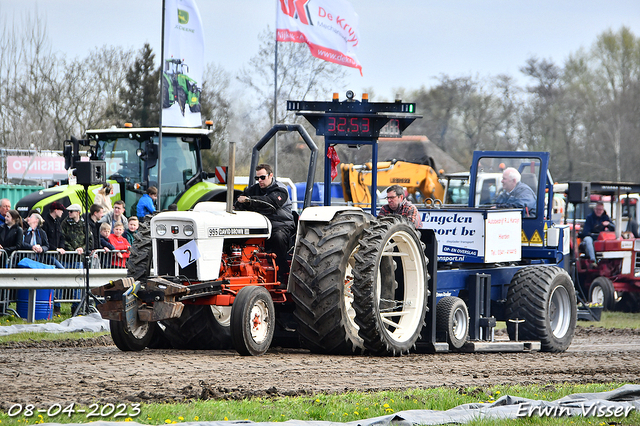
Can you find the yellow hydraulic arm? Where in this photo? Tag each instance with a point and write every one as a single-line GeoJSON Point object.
{"type": "Point", "coordinates": [356, 180]}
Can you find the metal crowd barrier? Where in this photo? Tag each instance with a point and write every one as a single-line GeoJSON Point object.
{"type": "Point", "coordinates": [7, 296]}
{"type": "Point", "coordinates": [100, 259]}
{"type": "Point", "coordinates": [66, 277]}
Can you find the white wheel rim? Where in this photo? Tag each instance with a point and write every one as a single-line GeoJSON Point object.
{"type": "Point", "coordinates": [597, 295]}
{"type": "Point", "coordinates": [141, 330]}
{"type": "Point", "coordinates": [460, 323]}
{"type": "Point", "coordinates": [222, 314]}
{"type": "Point", "coordinates": [401, 321]}
{"type": "Point", "coordinates": [559, 311]}
{"type": "Point", "coordinates": [259, 321]}
{"type": "Point", "coordinates": [348, 294]}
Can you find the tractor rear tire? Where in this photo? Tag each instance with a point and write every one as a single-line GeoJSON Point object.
{"type": "Point", "coordinates": [390, 304]}
{"type": "Point", "coordinates": [601, 291]}
{"type": "Point", "coordinates": [139, 262]}
{"type": "Point", "coordinates": [138, 267]}
{"type": "Point", "coordinates": [135, 340]}
{"type": "Point", "coordinates": [252, 321]}
{"type": "Point", "coordinates": [452, 321]}
{"type": "Point", "coordinates": [321, 278]}
{"type": "Point", "coordinates": [285, 335]}
{"type": "Point", "coordinates": [159, 340]}
{"type": "Point", "coordinates": [544, 297]}
{"type": "Point", "coordinates": [629, 302]}
{"type": "Point", "coordinates": [198, 328]}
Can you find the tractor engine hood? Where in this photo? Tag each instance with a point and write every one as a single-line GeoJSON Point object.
{"type": "Point", "coordinates": [208, 226]}
{"type": "Point", "coordinates": [209, 220]}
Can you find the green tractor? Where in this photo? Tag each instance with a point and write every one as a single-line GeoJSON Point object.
{"type": "Point", "coordinates": [133, 160]}
{"type": "Point", "coordinates": [179, 87]}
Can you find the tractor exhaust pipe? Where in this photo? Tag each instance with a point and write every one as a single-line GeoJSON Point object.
{"type": "Point", "coordinates": [231, 175]}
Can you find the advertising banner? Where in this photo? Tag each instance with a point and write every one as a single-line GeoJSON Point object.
{"type": "Point", "coordinates": [476, 236]}
{"type": "Point", "coordinates": [36, 167]}
{"type": "Point", "coordinates": [460, 235]}
{"type": "Point", "coordinates": [183, 66]}
{"type": "Point", "coordinates": [503, 236]}
{"type": "Point", "coordinates": [329, 27]}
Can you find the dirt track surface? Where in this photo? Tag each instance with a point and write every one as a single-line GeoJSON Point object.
{"type": "Point", "coordinates": [96, 371]}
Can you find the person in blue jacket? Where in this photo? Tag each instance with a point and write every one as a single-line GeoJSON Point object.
{"type": "Point", "coordinates": [516, 194]}
{"type": "Point", "coordinates": [145, 205]}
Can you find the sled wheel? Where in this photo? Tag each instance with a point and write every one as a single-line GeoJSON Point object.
{"type": "Point", "coordinates": [321, 279]}
{"type": "Point", "coordinates": [452, 321]}
{"type": "Point", "coordinates": [252, 321]}
{"type": "Point", "coordinates": [134, 340]}
{"type": "Point", "coordinates": [601, 291]}
{"type": "Point", "coordinates": [544, 297]}
{"type": "Point", "coordinates": [390, 321]}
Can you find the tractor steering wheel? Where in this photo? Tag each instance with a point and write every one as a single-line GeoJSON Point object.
{"type": "Point", "coordinates": [263, 205]}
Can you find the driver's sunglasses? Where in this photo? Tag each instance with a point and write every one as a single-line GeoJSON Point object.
{"type": "Point", "coordinates": [391, 197]}
{"type": "Point", "coordinates": [263, 177]}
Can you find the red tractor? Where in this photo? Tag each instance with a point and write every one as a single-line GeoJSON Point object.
{"type": "Point", "coordinates": [614, 279]}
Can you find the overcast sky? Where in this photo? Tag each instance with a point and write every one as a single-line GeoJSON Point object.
{"type": "Point", "coordinates": [403, 43]}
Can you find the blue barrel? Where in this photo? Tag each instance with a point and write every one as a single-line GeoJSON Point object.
{"type": "Point", "coordinates": [44, 304]}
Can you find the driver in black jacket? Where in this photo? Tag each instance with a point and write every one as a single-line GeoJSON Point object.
{"type": "Point", "coordinates": [271, 198]}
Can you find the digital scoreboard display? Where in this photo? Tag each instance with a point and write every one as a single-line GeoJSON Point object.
{"type": "Point", "coordinates": [358, 126]}
{"type": "Point", "coordinates": [356, 120]}
{"type": "Point", "coordinates": [336, 125]}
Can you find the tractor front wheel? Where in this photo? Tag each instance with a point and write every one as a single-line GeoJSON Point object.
{"type": "Point", "coordinates": [601, 291]}
{"type": "Point", "coordinates": [252, 321]}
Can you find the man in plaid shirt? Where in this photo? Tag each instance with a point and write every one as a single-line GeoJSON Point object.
{"type": "Point", "coordinates": [397, 204]}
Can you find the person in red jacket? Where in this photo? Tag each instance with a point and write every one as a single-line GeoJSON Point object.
{"type": "Point", "coordinates": [119, 243]}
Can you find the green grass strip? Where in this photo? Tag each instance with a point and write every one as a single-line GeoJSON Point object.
{"type": "Point", "coordinates": [346, 407]}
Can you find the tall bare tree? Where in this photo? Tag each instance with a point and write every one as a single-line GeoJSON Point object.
{"type": "Point", "coordinates": [616, 58]}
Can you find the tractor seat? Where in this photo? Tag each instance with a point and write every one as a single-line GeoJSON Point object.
{"type": "Point", "coordinates": [599, 244]}
{"type": "Point", "coordinates": [606, 235]}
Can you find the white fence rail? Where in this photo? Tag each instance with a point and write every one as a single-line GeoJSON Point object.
{"type": "Point", "coordinates": [64, 272]}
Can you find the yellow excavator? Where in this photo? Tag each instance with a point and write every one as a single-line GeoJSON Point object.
{"type": "Point", "coordinates": [420, 180]}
